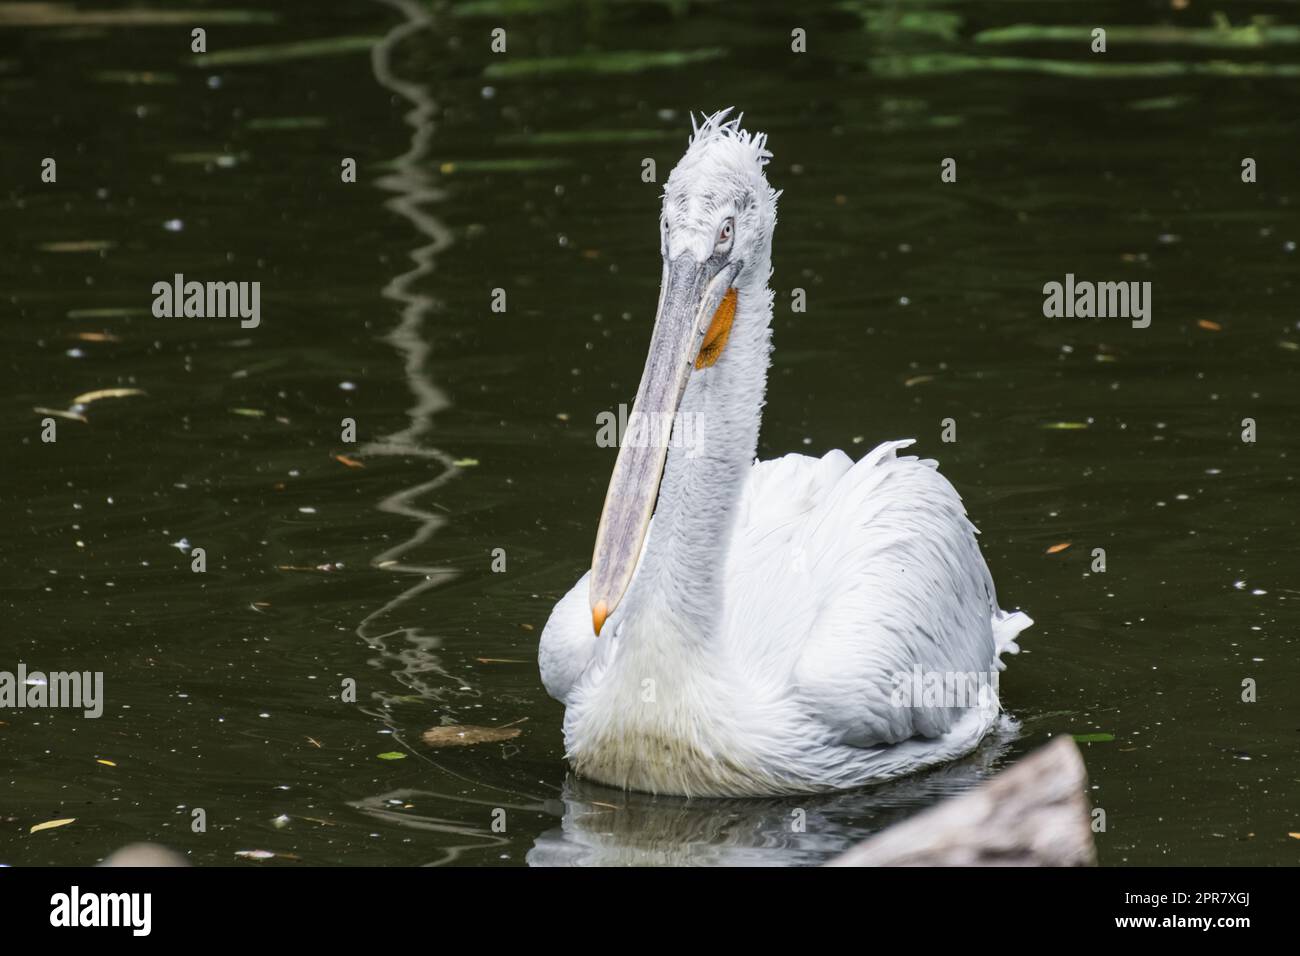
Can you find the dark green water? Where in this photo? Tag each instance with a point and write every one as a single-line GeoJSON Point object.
{"type": "Point", "coordinates": [476, 430]}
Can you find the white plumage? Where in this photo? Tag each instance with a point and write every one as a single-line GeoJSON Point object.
{"type": "Point", "coordinates": [776, 607]}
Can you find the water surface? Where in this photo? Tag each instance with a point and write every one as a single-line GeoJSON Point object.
{"type": "Point", "coordinates": [476, 429]}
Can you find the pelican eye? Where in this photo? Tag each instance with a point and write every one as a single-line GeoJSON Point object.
{"type": "Point", "coordinates": [725, 235]}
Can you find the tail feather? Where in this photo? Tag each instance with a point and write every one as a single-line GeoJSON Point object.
{"type": "Point", "coordinates": [1006, 625]}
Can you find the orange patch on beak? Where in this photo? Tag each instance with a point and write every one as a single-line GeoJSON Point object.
{"type": "Point", "coordinates": [715, 339]}
{"type": "Point", "coordinates": [598, 615]}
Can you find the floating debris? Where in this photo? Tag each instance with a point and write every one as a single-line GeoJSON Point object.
{"type": "Point", "coordinates": [587, 137]}
{"type": "Point", "coordinates": [1093, 738]}
{"type": "Point", "coordinates": [277, 124]}
{"type": "Point", "coordinates": [465, 462]}
{"type": "Point", "coordinates": [1057, 548]}
{"type": "Point", "coordinates": [278, 53]}
{"type": "Point", "coordinates": [350, 462]}
{"type": "Point", "coordinates": [51, 824]}
{"type": "Point", "coordinates": [223, 160]}
{"type": "Point", "coordinates": [106, 763]}
{"type": "Point", "coordinates": [1209, 325]}
{"type": "Point", "coordinates": [83, 245]}
{"type": "Point", "coordinates": [466, 735]}
{"type": "Point", "coordinates": [1258, 33]}
{"type": "Point", "coordinates": [392, 755]}
{"type": "Point", "coordinates": [135, 77]}
{"type": "Point", "coordinates": [618, 61]}
{"type": "Point", "coordinates": [85, 398]}
{"type": "Point", "coordinates": [65, 15]}
{"type": "Point", "coordinates": [501, 165]}
{"type": "Point", "coordinates": [61, 413]}
{"type": "Point", "coordinates": [105, 313]}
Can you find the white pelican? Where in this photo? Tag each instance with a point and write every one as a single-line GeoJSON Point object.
{"type": "Point", "coordinates": [750, 638]}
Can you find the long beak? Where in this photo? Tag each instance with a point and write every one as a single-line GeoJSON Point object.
{"type": "Point", "coordinates": [690, 293]}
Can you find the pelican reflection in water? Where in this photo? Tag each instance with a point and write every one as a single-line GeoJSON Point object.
{"type": "Point", "coordinates": [744, 625]}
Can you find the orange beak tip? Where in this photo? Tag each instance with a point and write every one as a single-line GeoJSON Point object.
{"type": "Point", "coordinates": [598, 615]}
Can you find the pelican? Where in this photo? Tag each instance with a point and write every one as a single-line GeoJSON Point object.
{"type": "Point", "coordinates": [746, 627]}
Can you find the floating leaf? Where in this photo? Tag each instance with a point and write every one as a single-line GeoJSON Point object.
{"type": "Point", "coordinates": [278, 123]}
{"type": "Point", "coordinates": [249, 412]}
{"type": "Point", "coordinates": [61, 413]}
{"type": "Point", "coordinates": [588, 137]}
{"type": "Point", "coordinates": [1058, 548]}
{"type": "Point", "coordinates": [917, 380]}
{"type": "Point", "coordinates": [465, 462]}
{"type": "Point", "coordinates": [497, 8]}
{"type": "Point", "coordinates": [278, 53]}
{"type": "Point", "coordinates": [938, 64]}
{"type": "Point", "coordinates": [105, 313]}
{"type": "Point", "coordinates": [1065, 426]}
{"type": "Point", "coordinates": [65, 15]}
{"type": "Point", "coordinates": [81, 245]}
{"type": "Point", "coordinates": [465, 735]}
{"type": "Point", "coordinates": [1254, 35]}
{"type": "Point", "coordinates": [106, 763]}
{"type": "Point", "coordinates": [524, 165]}
{"type": "Point", "coordinates": [1209, 325]}
{"type": "Point", "coordinates": [85, 398]}
{"type": "Point", "coordinates": [135, 77]}
{"type": "Point", "coordinates": [350, 462]}
{"type": "Point", "coordinates": [392, 755]}
{"type": "Point", "coordinates": [51, 824]}
{"type": "Point", "coordinates": [1093, 738]}
{"type": "Point", "coordinates": [616, 61]}
{"type": "Point", "coordinates": [1159, 103]}
{"type": "Point", "coordinates": [203, 158]}
{"type": "Point", "coordinates": [97, 337]}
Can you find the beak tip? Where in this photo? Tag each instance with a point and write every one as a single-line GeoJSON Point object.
{"type": "Point", "coordinates": [598, 614]}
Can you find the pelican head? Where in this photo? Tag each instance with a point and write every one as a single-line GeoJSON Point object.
{"type": "Point", "coordinates": [715, 233]}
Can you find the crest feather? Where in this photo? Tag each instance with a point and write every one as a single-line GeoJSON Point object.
{"type": "Point", "coordinates": [718, 125]}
